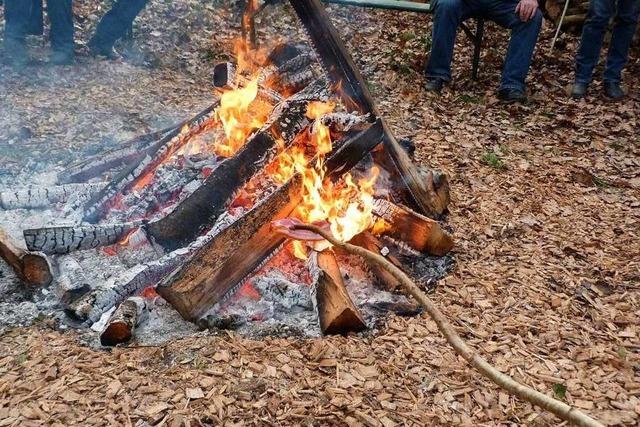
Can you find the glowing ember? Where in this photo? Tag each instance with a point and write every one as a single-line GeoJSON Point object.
{"type": "Point", "coordinates": [249, 291]}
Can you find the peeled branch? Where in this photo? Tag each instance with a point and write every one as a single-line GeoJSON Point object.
{"type": "Point", "coordinates": [560, 409]}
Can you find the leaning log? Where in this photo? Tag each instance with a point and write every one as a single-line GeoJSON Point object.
{"type": "Point", "coordinates": [382, 277]}
{"type": "Point", "coordinates": [37, 197]}
{"type": "Point", "coordinates": [66, 239]}
{"type": "Point", "coordinates": [124, 320]}
{"type": "Point", "coordinates": [31, 267]}
{"type": "Point", "coordinates": [336, 312]}
{"type": "Point", "coordinates": [427, 192]}
{"type": "Point", "coordinates": [72, 283]}
{"type": "Point", "coordinates": [419, 232]}
{"type": "Point", "coordinates": [99, 205]}
{"type": "Point", "coordinates": [240, 249]}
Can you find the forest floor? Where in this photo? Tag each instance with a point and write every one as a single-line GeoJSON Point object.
{"type": "Point", "coordinates": [545, 211]}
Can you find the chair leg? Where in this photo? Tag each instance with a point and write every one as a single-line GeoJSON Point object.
{"type": "Point", "coordinates": [477, 42]}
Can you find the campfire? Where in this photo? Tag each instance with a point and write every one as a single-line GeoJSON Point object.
{"type": "Point", "coordinates": [195, 211]}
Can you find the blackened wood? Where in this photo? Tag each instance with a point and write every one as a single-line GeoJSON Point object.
{"type": "Point", "coordinates": [382, 277]}
{"type": "Point", "coordinates": [99, 205]}
{"type": "Point", "coordinates": [71, 283]}
{"type": "Point", "coordinates": [33, 268]}
{"type": "Point", "coordinates": [66, 239]}
{"type": "Point", "coordinates": [127, 152]}
{"type": "Point", "coordinates": [200, 210]}
{"type": "Point", "coordinates": [355, 94]}
{"type": "Point", "coordinates": [37, 197]}
{"type": "Point", "coordinates": [405, 225]}
{"type": "Point", "coordinates": [336, 312]}
{"type": "Point", "coordinates": [238, 250]}
{"type": "Point", "coordinates": [225, 78]}
{"type": "Point", "coordinates": [123, 322]}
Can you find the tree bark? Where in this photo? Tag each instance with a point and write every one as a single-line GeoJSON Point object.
{"type": "Point", "coordinates": [121, 325]}
{"type": "Point", "coordinates": [44, 197]}
{"type": "Point", "coordinates": [31, 267]}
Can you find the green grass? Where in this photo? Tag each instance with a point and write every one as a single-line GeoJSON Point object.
{"type": "Point", "coordinates": [494, 160]}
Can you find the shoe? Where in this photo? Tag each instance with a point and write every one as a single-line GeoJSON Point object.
{"type": "Point", "coordinates": [98, 50]}
{"type": "Point", "coordinates": [134, 55]}
{"type": "Point", "coordinates": [510, 96]}
{"type": "Point", "coordinates": [16, 54]}
{"type": "Point", "coordinates": [579, 90]}
{"type": "Point", "coordinates": [434, 85]}
{"type": "Point", "coordinates": [613, 90]}
{"type": "Point", "coordinates": [59, 57]}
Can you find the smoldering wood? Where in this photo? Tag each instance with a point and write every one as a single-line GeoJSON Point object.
{"type": "Point", "coordinates": [67, 239]}
{"type": "Point", "coordinates": [127, 152]}
{"type": "Point", "coordinates": [200, 210]}
{"type": "Point", "coordinates": [100, 204]}
{"type": "Point", "coordinates": [71, 283]}
{"type": "Point", "coordinates": [225, 77]}
{"type": "Point", "coordinates": [125, 318]}
{"type": "Point", "coordinates": [285, 52]}
{"type": "Point", "coordinates": [37, 197]}
{"type": "Point", "coordinates": [429, 194]}
{"type": "Point", "coordinates": [336, 312]}
{"type": "Point", "coordinates": [33, 268]}
{"type": "Point", "coordinates": [343, 122]}
{"type": "Point", "coordinates": [382, 278]}
{"type": "Point", "coordinates": [89, 308]}
{"type": "Point", "coordinates": [240, 249]}
{"type": "Point", "coordinates": [419, 232]}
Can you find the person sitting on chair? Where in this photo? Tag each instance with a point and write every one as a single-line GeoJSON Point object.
{"type": "Point", "coordinates": [524, 19]}
{"type": "Point", "coordinates": [113, 26]}
{"type": "Point", "coordinates": [626, 14]}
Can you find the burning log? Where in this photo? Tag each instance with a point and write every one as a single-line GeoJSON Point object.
{"type": "Point", "coordinates": [124, 320]}
{"type": "Point", "coordinates": [336, 312]}
{"type": "Point", "coordinates": [130, 151]}
{"type": "Point", "coordinates": [382, 277]}
{"type": "Point", "coordinates": [429, 191]}
{"type": "Point", "coordinates": [31, 267]}
{"type": "Point", "coordinates": [44, 197]}
{"type": "Point", "coordinates": [72, 283]}
{"type": "Point", "coordinates": [154, 155]}
{"type": "Point", "coordinates": [66, 239]}
{"type": "Point", "coordinates": [421, 233]}
{"type": "Point", "coordinates": [240, 249]}
{"type": "Point", "coordinates": [226, 77]}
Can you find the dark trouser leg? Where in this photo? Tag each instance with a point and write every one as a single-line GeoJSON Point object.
{"type": "Point", "coordinates": [626, 21]}
{"type": "Point", "coordinates": [115, 23]}
{"type": "Point", "coordinates": [61, 17]}
{"type": "Point", "coordinates": [600, 11]}
{"type": "Point", "coordinates": [36, 19]}
{"type": "Point", "coordinates": [16, 16]}
{"type": "Point", "coordinates": [447, 16]}
{"type": "Point", "coordinates": [524, 36]}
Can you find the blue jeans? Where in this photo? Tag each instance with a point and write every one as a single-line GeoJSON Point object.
{"type": "Point", "coordinates": [20, 16]}
{"type": "Point", "coordinates": [600, 12]}
{"type": "Point", "coordinates": [116, 22]}
{"type": "Point", "coordinates": [449, 14]}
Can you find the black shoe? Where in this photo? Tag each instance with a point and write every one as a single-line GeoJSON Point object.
{"type": "Point", "coordinates": [434, 85]}
{"type": "Point", "coordinates": [613, 90]}
{"type": "Point", "coordinates": [59, 57]}
{"type": "Point", "coordinates": [96, 49]}
{"type": "Point", "coordinates": [510, 96]}
{"type": "Point", "coordinates": [579, 90]}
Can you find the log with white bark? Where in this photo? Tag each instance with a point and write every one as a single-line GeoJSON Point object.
{"type": "Point", "coordinates": [123, 321]}
{"type": "Point", "coordinates": [31, 267]}
{"type": "Point", "coordinates": [37, 197]}
{"type": "Point", "coordinates": [336, 312]}
{"type": "Point", "coordinates": [419, 232]}
{"type": "Point", "coordinates": [71, 283]}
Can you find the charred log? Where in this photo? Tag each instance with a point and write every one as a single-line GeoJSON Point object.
{"type": "Point", "coordinates": [382, 277]}
{"type": "Point", "coordinates": [31, 267]}
{"type": "Point", "coordinates": [66, 239]}
{"type": "Point", "coordinates": [44, 197]}
{"type": "Point", "coordinates": [336, 312]}
{"type": "Point", "coordinates": [100, 204]}
{"type": "Point", "coordinates": [241, 248]}
{"type": "Point", "coordinates": [226, 77]}
{"type": "Point", "coordinates": [72, 282]}
{"type": "Point", "coordinates": [124, 320]}
{"type": "Point", "coordinates": [421, 233]}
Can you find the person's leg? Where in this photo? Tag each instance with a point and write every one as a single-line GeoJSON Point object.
{"type": "Point", "coordinates": [447, 16]}
{"type": "Point", "coordinates": [626, 21]}
{"type": "Point", "coordinates": [593, 31]}
{"type": "Point", "coordinates": [115, 23]}
{"type": "Point", "coordinates": [61, 17]}
{"type": "Point", "coordinates": [16, 16]}
{"type": "Point", "coordinates": [524, 36]}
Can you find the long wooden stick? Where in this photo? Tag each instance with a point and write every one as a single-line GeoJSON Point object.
{"type": "Point", "coordinates": [560, 409]}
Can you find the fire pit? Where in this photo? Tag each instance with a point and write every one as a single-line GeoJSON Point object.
{"type": "Point", "coordinates": [184, 220]}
